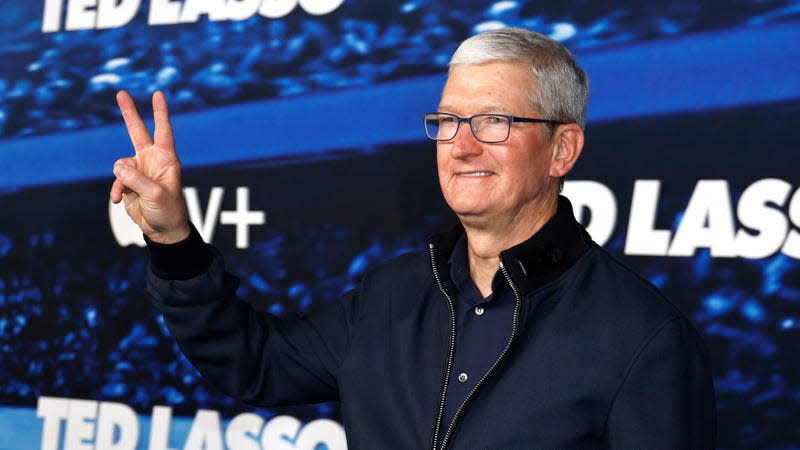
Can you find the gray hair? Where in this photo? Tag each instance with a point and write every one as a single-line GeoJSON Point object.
{"type": "Point", "coordinates": [563, 87]}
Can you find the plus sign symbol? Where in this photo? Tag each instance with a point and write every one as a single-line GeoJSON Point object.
{"type": "Point", "coordinates": [243, 218]}
{"type": "Point", "coordinates": [127, 233]}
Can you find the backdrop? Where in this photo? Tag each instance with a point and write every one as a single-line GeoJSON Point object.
{"type": "Point", "coordinates": [299, 126]}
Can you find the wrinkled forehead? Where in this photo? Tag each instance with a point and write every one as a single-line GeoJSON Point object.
{"type": "Point", "coordinates": [496, 86]}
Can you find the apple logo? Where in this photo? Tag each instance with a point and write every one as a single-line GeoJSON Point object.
{"type": "Point", "coordinates": [125, 230]}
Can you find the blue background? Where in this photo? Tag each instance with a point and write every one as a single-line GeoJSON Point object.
{"type": "Point", "coordinates": [320, 117]}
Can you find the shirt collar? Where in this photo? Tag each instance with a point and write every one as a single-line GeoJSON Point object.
{"type": "Point", "coordinates": [461, 278]}
{"type": "Point", "coordinates": [531, 264]}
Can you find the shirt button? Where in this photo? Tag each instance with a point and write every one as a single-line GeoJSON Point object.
{"type": "Point", "coordinates": [479, 310]}
{"type": "Point", "coordinates": [462, 377]}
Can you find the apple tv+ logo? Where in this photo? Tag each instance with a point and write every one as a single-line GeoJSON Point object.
{"type": "Point", "coordinates": [126, 232]}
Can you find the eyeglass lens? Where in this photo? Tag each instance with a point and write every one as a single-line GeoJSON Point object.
{"type": "Point", "coordinates": [485, 127]}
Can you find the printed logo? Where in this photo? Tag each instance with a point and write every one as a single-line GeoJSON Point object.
{"type": "Point", "coordinates": [103, 14]}
{"type": "Point", "coordinates": [126, 232]}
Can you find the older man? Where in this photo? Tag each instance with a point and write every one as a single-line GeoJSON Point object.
{"type": "Point", "coordinates": [514, 330]}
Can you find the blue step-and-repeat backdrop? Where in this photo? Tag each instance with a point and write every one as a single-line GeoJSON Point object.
{"type": "Point", "coordinates": [689, 175]}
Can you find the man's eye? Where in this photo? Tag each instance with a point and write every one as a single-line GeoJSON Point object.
{"type": "Point", "coordinates": [495, 120]}
{"type": "Point", "coordinates": [446, 120]}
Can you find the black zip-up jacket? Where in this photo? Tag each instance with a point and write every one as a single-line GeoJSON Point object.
{"type": "Point", "coordinates": [598, 358]}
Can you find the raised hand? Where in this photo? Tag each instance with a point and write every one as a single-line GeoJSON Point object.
{"type": "Point", "coordinates": [150, 181]}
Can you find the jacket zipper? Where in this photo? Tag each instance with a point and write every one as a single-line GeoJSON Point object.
{"type": "Point", "coordinates": [451, 348]}
{"type": "Point", "coordinates": [514, 327]}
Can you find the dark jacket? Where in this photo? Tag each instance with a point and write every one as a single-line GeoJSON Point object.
{"type": "Point", "coordinates": [598, 357]}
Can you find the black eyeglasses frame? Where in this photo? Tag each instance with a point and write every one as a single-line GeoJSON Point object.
{"type": "Point", "coordinates": [511, 119]}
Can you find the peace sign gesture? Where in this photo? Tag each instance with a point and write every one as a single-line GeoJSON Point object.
{"type": "Point", "coordinates": [150, 181]}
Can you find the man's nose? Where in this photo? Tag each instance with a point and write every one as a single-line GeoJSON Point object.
{"type": "Point", "coordinates": [464, 143]}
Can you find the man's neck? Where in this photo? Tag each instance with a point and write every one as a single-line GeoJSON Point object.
{"type": "Point", "coordinates": [487, 238]}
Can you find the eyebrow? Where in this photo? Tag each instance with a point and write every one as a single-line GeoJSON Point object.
{"type": "Point", "coordinates": [487, 109]}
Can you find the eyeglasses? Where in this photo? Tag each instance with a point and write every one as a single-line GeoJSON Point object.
{"type": "Point", "coordinates": [487, 128]}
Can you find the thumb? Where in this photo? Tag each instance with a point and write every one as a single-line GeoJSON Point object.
{"type": "Point", "coordinates": [135, 180]}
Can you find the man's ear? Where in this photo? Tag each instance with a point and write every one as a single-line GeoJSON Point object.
{"type": "Point", "coordinates": [568, 145]}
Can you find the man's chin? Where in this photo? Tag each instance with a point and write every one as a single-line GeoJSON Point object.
{"type": "Point", "coordinates": [473, 217]}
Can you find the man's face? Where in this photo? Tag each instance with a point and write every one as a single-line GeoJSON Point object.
{"type": "Point", "coordinates": [509, 181]}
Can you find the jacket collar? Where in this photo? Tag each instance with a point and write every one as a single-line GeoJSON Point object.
{"type": "Point", "coordinates": [531, 264]}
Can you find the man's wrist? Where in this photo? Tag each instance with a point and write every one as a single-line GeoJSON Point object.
{"type": "Point", "coordinates": [174, 236]}
{"type": "Point", "coordinates": [180, 260]}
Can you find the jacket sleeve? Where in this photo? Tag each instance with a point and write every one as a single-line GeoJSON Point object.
{"type": "Point", "coordinates": [253, 356]}
{"type": "Point", "coordinates": [667, 397]}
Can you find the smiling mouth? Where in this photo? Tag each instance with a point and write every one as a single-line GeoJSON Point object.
{"type": "Point", "coordinates": [475, 174]}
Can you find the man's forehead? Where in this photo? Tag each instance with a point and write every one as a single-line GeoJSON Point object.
{"type": "Point", "coordinates": [494, 66]}
{"type": "Point", "coordinates": [505, 74]}
{"type": "Point", "coordinates": [488, 107]}
{"type": "Point", "coordinates": [493, 87]}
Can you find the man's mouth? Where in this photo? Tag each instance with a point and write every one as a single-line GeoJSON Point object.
{"type": "Point", "coordinates": [475, 174]}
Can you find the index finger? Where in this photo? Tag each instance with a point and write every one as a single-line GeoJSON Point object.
{"type": "Point", "coordinates": [163, 135]}
{"type": "Point", "coordinates": [137, 130]}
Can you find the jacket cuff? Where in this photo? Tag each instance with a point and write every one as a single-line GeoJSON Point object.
{"type": "Point", "coordinates": [181, 260]}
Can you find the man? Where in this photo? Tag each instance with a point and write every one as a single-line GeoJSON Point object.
{"type": "Point", "coordinates": [514, 330]}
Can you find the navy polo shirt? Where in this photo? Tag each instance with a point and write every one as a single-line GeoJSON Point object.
{"type": "Point", "coordinates": [483, 328]}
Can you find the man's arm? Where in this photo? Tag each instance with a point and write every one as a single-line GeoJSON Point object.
{"type": "Point", "coordinates": [667, 398]}
{"type": "Point", "coordinates": [253, 356]}
{"type": "Point", "coordinates": [250, 355]}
